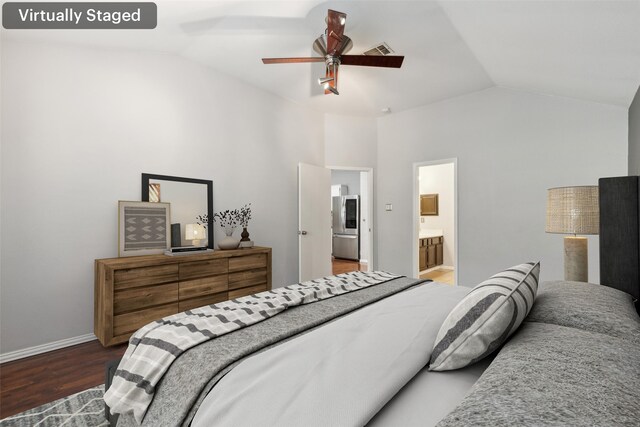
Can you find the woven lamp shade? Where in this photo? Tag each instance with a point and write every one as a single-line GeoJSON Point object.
{"type": "Point", "coordinates": [573, 210]}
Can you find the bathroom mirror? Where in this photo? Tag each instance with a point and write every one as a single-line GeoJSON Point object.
{"type": "Point", "coordinates": [189, 198]}
{"type": "Point", "coordinates": [429, 204]}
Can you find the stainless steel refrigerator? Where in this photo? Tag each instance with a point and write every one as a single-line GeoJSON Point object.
{"type": "Point", "coordinates": [346, 227]}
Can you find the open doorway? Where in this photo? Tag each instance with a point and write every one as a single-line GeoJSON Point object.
{"type": "Point", "coordinates": [352, 211]}
{"type": "Point", "coordinates": [435, 221]}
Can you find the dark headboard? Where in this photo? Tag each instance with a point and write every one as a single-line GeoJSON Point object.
{"type": "Point", "coordinates": [620, 233]}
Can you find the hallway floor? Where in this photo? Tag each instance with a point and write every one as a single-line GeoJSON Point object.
{"type": "Point", "coordinates": [340, 266]}
{"type": "Point", "coordinates": [440, 275]}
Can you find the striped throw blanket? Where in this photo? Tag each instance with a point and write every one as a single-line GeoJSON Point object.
{"type": "Point", "coordinates": [155, 346]}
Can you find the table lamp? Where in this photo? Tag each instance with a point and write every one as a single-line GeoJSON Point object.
{"type": "Point", "coordinates": [574, 210]}
{"type": "Point", "coordinates": [195, 233]}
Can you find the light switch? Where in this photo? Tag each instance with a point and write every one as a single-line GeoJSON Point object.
{"type": "Point", "coordinates": [388, 207]}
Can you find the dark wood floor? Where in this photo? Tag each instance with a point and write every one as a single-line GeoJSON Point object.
{"type": "Point", "coordinates": [340, 266]}
{"type": "Point", "coordinates": [36, 380]}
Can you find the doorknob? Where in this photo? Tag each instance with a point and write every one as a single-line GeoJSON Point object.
{"type": "Point", "coordinates": [304, 233]}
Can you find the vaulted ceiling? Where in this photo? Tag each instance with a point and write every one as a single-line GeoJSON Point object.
{"type": "Point", "coordinates": [583, 49]}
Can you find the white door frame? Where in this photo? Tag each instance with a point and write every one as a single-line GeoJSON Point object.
{"type": "Point", "coordinates": [416, 213]}
{"type": "Point", "coordinates": [370, 261]}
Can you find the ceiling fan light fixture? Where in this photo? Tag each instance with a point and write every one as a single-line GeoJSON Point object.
{"type": "Point", "coordinates": [324, 81]}
{"type": "Point", "coordinates": [330, 81]}
{"type": "Point", "coordinates": [320, 45]}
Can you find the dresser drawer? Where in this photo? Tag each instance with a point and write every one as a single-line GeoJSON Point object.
{"type": "Point", "coordinates": [243, 279]}
{"type": "Point", "coordinates": [193, 270]}
{"type": "Point", "coordinates": [142, 276]}
{"type": "Point", "coordinates": [203, 300]}
{"type": "Point", "coordinates": [204, 286]}
{"type": "Point", "coordinates": [131, 322]}
{"type": "Point", "coordinates": [237, 293]}
{"type": "Point", "coordinates": [133, 291]}
{"type": "Point", "coordinates": [247, 262]}
{"type": "Point", "coordinates": [141, 298]}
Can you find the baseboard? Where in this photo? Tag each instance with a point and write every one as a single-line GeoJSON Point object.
{"type": "Point", "coordinates": [43, 348]}
{"type": "Point", "coordinates": [364, 261]}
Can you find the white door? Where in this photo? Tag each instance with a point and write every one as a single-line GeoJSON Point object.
{"type": "Point", "coordinates": [314, 221]}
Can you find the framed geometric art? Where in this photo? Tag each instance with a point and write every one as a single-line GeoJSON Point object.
{"type": "Point", "coordinates": [144, 228]}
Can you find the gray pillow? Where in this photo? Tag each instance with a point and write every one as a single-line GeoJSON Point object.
{"type": "Point", "coordinates": [586, 306]}
{"type": "Point", "coordinates": [485, 318]}
{"type": "Point", "coordinates": [550, 375]}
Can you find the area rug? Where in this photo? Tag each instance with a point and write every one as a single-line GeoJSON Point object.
{"type": "Point", "coordinates": [84, 409]}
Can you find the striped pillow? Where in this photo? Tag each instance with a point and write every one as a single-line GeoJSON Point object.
{"type": "Point", "coordinates": [485, 318]}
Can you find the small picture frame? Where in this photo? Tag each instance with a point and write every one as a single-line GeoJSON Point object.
{"type": "Point", "coordinates": [144, 228]}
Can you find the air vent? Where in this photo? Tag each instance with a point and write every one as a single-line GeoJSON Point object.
{"type": "Point", "coordinates": [381, 49]}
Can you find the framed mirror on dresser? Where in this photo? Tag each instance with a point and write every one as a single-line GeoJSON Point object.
{"type": "Point", "coordinates": [191, 202]}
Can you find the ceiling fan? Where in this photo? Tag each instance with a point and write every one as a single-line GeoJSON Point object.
{"type": "Point", "coordinates": [333, 45]}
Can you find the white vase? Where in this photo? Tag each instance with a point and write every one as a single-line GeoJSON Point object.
{"type": "Point", "coordinates": [228, 241]}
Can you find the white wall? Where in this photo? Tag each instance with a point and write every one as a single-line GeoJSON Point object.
{"type": "Point", "coordinates": [350, 178]}
{"type": "Point", "coordinates": [81, 125]}
{"type": "Point", "coordinates": [511, 146]}
{"type": "Point", "coordinates": [439, 179]}
{"type": "Point", "coordinates": [634, 135]}
{"type": "Point", "coordinates": [350, 141]}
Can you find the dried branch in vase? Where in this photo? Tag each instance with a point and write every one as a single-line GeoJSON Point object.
{"type": "Point", "coordinates": [245, 215]}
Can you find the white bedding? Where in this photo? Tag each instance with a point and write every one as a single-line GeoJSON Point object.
{"type": "Point", "coordinates": [342, 373]}
{"type": "Point", "coordinates": [429, 397]}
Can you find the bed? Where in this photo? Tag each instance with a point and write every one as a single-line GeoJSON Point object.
{"type": "Point", "coordinates": [361, 357]}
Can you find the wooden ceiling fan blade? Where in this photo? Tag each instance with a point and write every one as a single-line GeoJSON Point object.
{"type": "Point", "coordinates": [291, 60]}
{"type": "Point", "coordinates": [335, 30]}
{"type": "Point", "coordinates": [372, 61]}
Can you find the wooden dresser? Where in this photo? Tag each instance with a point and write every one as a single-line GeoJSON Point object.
{"type": "Point", "coordinates": [133, 291]}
